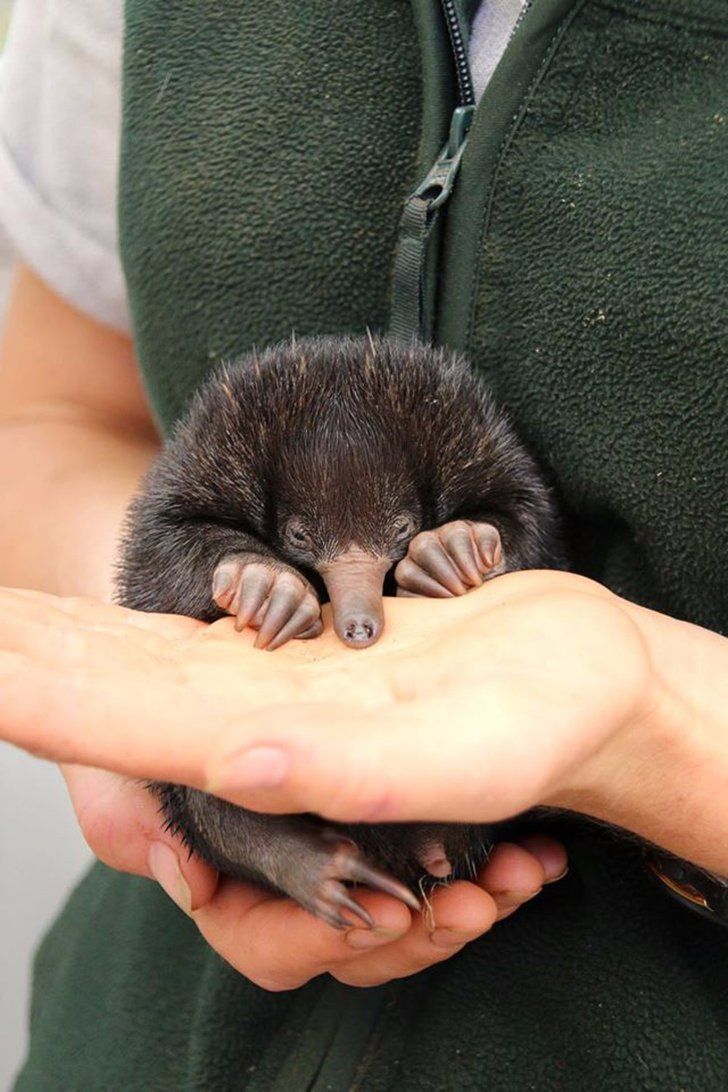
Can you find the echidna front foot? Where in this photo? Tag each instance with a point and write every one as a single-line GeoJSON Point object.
{"type": "Point", "coordinates": [450, 560]}
{"type": "Point", "coordinates": [268, 596]}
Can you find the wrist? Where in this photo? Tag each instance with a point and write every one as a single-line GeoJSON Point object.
{"type": "Point", "coordinates": [664, 774]}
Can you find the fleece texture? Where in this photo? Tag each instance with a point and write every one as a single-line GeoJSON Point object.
{"type": "Point", "coordinates": [287, 135]}
{"type": "Point", "coordinates": [600, 983]}
{"type": "Point", "coordinates": [593, 293]}
{"type": "Point", "coordinates": [267, 150]}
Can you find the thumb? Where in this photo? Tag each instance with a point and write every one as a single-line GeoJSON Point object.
{"type": "Point", "coordinates": [122, 824]}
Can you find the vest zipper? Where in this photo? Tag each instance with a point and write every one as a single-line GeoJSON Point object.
{"type": "Point", "coordinates": [360, 1019]}
{"type": "Point", "coordinates": [466, 95]}
{"type": "Point", "coordinates": [413, 281]}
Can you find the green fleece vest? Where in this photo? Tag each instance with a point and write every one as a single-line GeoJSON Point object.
{"type": "Point", "coordinates": [267, 152]}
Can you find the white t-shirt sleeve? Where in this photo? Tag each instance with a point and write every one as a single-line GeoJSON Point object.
{"type": "Point", "coordinates": [60, 94]}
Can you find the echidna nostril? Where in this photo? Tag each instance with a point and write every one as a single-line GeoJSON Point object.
{"type": "Point", "coordinates": [359, 630]}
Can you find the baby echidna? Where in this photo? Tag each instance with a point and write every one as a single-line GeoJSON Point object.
{"type": "Point", "coordinates": [339, 469]}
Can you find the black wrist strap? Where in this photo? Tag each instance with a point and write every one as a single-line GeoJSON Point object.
{"type": "Point", "coordinates": [694, 887]}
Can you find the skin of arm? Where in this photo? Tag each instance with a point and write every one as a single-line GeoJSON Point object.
{"type": "Point", "coordinates": [76, 435]}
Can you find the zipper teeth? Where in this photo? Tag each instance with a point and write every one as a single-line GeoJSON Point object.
{"type": "Point", "coordinates": [466, 94]}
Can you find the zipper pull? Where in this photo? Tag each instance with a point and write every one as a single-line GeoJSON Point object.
{"type": "Point", "coordinates": [437, 186]}
{"type": "Point", "coordinates": [409, 318]}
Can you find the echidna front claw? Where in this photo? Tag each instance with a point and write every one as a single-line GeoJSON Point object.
{"type": "Point", "coordinates": [355, 868]}
{"type": "Point", "coordinates": [450, 560]}
{"type": "Point", "coordinates": [335, 895]}
{"type": "Point", "coordinates": [273, 598]}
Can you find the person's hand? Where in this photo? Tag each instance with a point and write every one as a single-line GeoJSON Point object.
{"type": "Point", "coordinates": [279, 946]}
{"type": "Point", "coordinates": [122, 825]}
{"type": "Point", "coordinates": [274, 942]}
{"type": "Point", "coordinates": [269, 939]}
{"type": "Point", "coordinates": [471, 708]}
{"type": "Point", "coordinates": [535, 688]}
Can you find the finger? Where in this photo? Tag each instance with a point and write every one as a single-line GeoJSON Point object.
{"type": "Point", "coordinates": [123, 826]}
{"type": "Point", "coordinates": [399, 771]}
{"type": "Point", "coordinates": [84, 698]}
{"type": "Point", "coordinates": [65, 710]}
{"type": "Point", "coordinates": [511, 876]}
{"type": "Point", "coordinates": [27, 608]}
{"type": "Point", "coordinates": [456, 914]}
{"type": "Point", "coordinates": [280, 946]}
{"type": "Point", "coordinates": [77, 694]}
{"type": "Point", "coordinates": [551, 855]}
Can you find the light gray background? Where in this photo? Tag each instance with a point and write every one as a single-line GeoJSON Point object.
{"type": "Point", "coordinates": [41, 855]}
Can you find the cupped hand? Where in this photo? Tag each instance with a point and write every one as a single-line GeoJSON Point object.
{"type": "Point", "coordinates": [276, 944]}
{"type": "Point", "coordinates": [271, 940]}
{"type": "Point", "coordinates": [68, 663]}
{"type": "Point", "coordinates": [120, 820]}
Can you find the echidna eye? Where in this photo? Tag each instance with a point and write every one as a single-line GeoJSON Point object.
{"type": "Point", "coordinates": [297, 534]}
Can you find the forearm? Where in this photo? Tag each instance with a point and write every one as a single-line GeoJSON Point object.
{"type": "Point", "coordinates": [66, 488]}
{"type": "Point", "coordinates": [75, 436]}
{"type": "Point", "coordinates": [666, 777]}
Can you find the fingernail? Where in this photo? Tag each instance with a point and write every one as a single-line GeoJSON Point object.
{"type": "Point", "coordinates": [164, 867]}
{"type": "Point", "coordinates": [361, 939]}
{"type": "Point", "coordinates": [553, 879]}
{"type": "Point", "coordinates": [447, 938]}
{"type": "Point", "coordinates": [256, 768]}
{"type": "Point", "coordinates": [514, 898]}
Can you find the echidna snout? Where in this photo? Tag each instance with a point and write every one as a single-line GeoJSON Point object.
{"type": "Point", "coordinates": [354, 581]}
